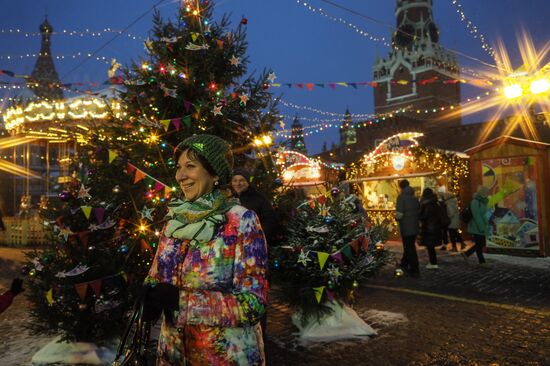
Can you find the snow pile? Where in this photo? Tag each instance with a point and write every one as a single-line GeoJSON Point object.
{"type": "Point", "coordinates": [343, 323]}
{"type": "Point", "coordinates": [57, 352]}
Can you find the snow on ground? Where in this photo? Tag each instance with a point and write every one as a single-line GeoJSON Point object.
{"type": "Point", "coordinates": [533, 262]}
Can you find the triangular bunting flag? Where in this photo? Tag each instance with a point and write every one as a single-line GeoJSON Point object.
{"type": "Point", "coordinates": [49, 296]}
{"type": "Point", "coordinates": [81, 289]}
{"type": "Point", "coordinates": [364, 243]}
{"type": "Point", "coordinates": [319, 293]}
{"type": "Point", "coordinates": [355, 246]}
{"type": "Point", "coordinates": [130, 168]}
{"type": "Point", "coordinates": [99, 213]}
{"type": "Point", "coordinates": [337, 256]}
{"type": "Point", "coordinates": [139, 176]}
{"type": "Point", "coordinates": [87, 211]}
{"type": "Point", "coordinates": [322, 257]}
{"type": "Point", "coordinates": [187, 105]}
{"type": "Point", "coordinates": [165, 123]}
{"type": "Point", "coordinates": [167, 191]}
{"type": "Point", "coordinates": [347, 251]}
{"type": "Point", "coordinates": [112, 155]}
{"type": "Point", "coordinates": [145, 246]}
{"type": "Point", "coordinates": [342, 84]}
{"type": "Point", "coordinates": [158, 186]}
{"type": "Point", "coordinates": [96, 286]}
{"type": "Point", "coordinates": [187, 121]}
{"type": "Point", "coordinates": [309, 86]}
{"type": "Point", "coordinates": [194, 36]}
{"type": "Point", "coordinates": [220, 43]}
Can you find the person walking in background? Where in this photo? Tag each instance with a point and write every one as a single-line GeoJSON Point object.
{"type": "Point", "coordinates": [407, 210]}
{"type": "Point", "coordinates": [430, 225]}
{"type": "Point", "coordinates": [2, 226]}
{"type": "Point", "coordinates": [451, 204]}
{"type": "Point", "coordinates": [7, 297]}
{"type": "Point", "coordinates": [250, 198]}
{"type": "Point", "coordinates": [478, 225]}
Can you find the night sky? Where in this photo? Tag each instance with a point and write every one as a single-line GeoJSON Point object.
{"type": "Point", "coordinates": [301, 46]}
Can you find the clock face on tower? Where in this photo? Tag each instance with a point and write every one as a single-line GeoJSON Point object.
{"type": "Point", "coordinates": [404, 35]}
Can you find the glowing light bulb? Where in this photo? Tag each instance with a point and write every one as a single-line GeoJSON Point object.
{"type": "Point", "coordinates": [540, 86]}
{"type": "Point", "coordinates": [513, 91]}
{"type": "Point", "coordinates": [267, 140]}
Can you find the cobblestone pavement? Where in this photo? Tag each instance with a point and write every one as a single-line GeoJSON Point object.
{"type": "Point", "coordinates": [458, 315]}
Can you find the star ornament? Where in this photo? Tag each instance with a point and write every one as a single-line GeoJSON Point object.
{"type": "Point", "coordinates": [84, 192]}
{"type": "Point", "coordinates": [243, 98]}
{"type": "Point", "coordinates": [304, 258]}
{"type": "Point", "coordinates": [146, 213]}
{"type": "Point", "coordinates": [271, 77]}
{"type": "Point", "coordinates": [235, 61]}
{"type": "Point", "coordinates": [217, 110]}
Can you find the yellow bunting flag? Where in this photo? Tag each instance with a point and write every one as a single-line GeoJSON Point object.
{"type": "Point", "coordinates": [319, 293]}
{"type": "Point", "coordinates": [403, 82]}
{"type": "Point", "coordinates": [165, 123]}
{"type": "Point", "coordinates": [139, 176]}
{"type": "Point", "coordinates": [112, 155]}
{"type": "Point", "coordinates": [87, 211]}
{"type": "Point", "coordinates": [49, 296]}
{"type": "Point", "coordinates": [322, 256]}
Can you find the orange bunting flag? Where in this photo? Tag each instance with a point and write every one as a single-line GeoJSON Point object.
{"type": "Point", "coordinates": [139, 176]}
{"type": "Point", "coordinates": [96, 286]}
{"type": "Point", "coordinates": [355, 246]}
{"type": "Point", "coordinates": [145, 246]}
{"type": "Point", "coordinates": [81, 289]}
{"type": "Point", "coordinates": [322, 257]}
{"type": "Point", "coordinates": [319, 293]}
{"type": "Point", "coordinates": [87, 211]}
{"type": "Point", "coordinates": [220, 43]}
{"type": "Point", "coordinates": [167, 191]}
{"type": "Point", "coordinates": [112, 155]}
{"type": "Point", "coordinates": [165, 123]}
{"type": "Point", "coordinates": [309, 86]}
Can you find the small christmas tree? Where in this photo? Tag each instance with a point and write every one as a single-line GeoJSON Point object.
{"type": "Point", "coordinates": [107, 220]}
{"type": "Point", "coordinates": [330, 249]}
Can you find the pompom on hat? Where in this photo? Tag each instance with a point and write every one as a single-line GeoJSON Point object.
{"type": "Point", "coordinates": [214, 150]}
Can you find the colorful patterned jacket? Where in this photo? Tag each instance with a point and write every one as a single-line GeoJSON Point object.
{"type": "Point", "coordinates": [223, 294]}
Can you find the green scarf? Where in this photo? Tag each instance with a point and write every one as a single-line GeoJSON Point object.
{"type": "Point", "coordinates": [197, 220]}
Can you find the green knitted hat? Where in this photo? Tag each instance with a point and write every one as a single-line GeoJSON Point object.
{"type": "Point", "coordinates": [212, 148]}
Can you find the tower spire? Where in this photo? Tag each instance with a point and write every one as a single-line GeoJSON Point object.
{"type": "Point", "coordinates": [44, 79]}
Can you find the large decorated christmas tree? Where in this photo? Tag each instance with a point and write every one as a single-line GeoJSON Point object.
{"type": "Point", "coordinates": [330, 250]}
{"type": "Point", "coordinates": [106, 221]}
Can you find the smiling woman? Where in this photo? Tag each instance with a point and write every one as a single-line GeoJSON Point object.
{"type": "Point", "coordinates": [209, 272]}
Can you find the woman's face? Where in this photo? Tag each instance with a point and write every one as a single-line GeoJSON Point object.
{"type": "Point", "coordinates": [193, 178]}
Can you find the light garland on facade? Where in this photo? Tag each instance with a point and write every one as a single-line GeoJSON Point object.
{"type": "Point", "coordinates": [62, 110]}
{"type": "Point", "coordinates": [345, 22]}
{"type": "Point", "coordinates": [473, 29]}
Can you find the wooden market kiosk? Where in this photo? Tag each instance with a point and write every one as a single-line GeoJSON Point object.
{"type": "Point", "coordinates": [376, 176]}
{"type": "Point", "coordinates": [517, 173]}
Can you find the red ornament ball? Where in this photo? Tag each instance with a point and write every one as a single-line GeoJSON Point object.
{"type": "Point", "coordinates": [244, 21]}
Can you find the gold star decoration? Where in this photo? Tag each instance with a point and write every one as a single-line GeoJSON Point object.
{"type": "Point", "coordinates": [217, 110]}
{"type": "Point", "coordinates": [235, 61]}
{"type": "Point", "coordinates": [84, 192]}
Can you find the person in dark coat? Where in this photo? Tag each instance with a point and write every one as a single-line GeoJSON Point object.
{"type": "Point", "coordinates": [255, 201]}
{"type": "Point", "coordinates": [407, 210]}
{"type": "Point", "coordinates": [7, 297]}
{"type": "Point", "coordinates": [430, 225]}
{"type": "Point", "coordinates": [2, 227]}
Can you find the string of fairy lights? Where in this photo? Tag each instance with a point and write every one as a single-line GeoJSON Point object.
{"type": "Point", "coordinates": [472, 29]}
{"type": "Point", "coordinates": [70, 33]}
{"type": "Point", "coordinates": [57, 57]}
{"type": "Point", "coordinates": [343, 21]}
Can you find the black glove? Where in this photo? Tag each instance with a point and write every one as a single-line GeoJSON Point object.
{"type": "Point", "coordinates": [17, 286]}
{"type": "Point", "coordinates": [162, 297]}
